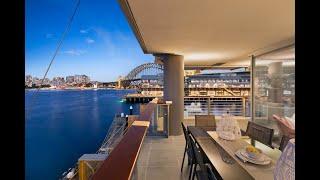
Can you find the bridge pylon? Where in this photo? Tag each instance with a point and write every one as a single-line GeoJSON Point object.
{"type": "Point", "coordinates": [119, 82]}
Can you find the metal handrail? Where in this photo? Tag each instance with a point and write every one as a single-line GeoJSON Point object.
{"type": "Point", "coordinates": [213, 105]}
{"type": "Point", "coordinates": [111, 134]}
{"type": "Point", "coordinates": [109, 141]}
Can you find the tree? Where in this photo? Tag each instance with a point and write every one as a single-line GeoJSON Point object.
{"type": "Point", "coordinates": [88, 85]}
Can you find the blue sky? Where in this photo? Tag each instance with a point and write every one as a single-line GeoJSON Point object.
{"type": "Point", "coordinates": [99, 44]}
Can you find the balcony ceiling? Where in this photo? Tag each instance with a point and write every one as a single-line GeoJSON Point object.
{"type": "Point", "coordinates": [211, 31]}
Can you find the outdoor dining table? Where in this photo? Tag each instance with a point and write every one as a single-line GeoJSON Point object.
{"type": "Point", "coordinates": [225, 164]}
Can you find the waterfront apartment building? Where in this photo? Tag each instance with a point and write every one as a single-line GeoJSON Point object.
{"type": "Point", "coordinates": [28, 81]}
{"type": "Point", "coordinates": [70, 79]}
{"type": "Point", "coordinates": [81, 79]}
{"type": "Point", "coordinates": [152, 80]}
{"type": "Point", "coordinates": [36, 81]}
{"type": "Point", "coordinates": [215, 80]}
{"type": "Point", "coordinates": [45, 82]}
{"type": "Point", "coordinates": [58, 81]}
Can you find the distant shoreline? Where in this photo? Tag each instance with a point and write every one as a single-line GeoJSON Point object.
{"type": "Point", "coordinates": [59, 89]}
{"type": "Point", "coordinates": [66, 88]}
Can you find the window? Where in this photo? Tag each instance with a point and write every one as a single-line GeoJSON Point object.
{"type": "Point", "coordinates": [274, 88]}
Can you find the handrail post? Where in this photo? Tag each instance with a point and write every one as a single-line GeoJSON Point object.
{"type": "Point", "coordinates": [208, 101]}
{"type": "Point", "coordinates": [243, 106]}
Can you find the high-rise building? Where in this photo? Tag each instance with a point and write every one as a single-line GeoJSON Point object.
{"type": "Point", "coordinates": [86, 79]}
{"type": "Point", "coordinates": [81, 79]}
{"type": "Point", "coordinates": [46, 81]}
{"type": "Point", "coordinates": [36, 81]}
{"type": "Point", "coordinates": [70, 79]}
{"type": "Point", "coordinates": [28, 80]}
{"type": "Point", "coordinates": [58, 81]}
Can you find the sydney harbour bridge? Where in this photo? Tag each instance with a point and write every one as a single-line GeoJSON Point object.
{"type": "Point", "coordinates": [135, 78]}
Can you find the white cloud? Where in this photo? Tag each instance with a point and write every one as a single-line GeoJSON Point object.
{"type": "Point", "coordinates": [83, 31]}
{"type": "Point", "coordinates": [49, 35]}
{"type": "Point", "coordinates": [90, 41]}
{"type": "Point", "coordinates": [73, 52]}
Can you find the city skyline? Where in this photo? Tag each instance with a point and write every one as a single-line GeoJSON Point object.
{"type": "Point", "coordinates": [58, 76]}
{"type": "Point", "coordinates": [100, 43]}
{"type": "Point", "coordinates": [33, 81]}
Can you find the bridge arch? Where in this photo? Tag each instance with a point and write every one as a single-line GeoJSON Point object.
{"type": "Point", "coordinates": [136, 71]}
{"type": "Point", "coordinates": [133, 75]}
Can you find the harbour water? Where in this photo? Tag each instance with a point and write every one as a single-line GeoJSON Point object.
{"type": "Point", "coordinates": [64, 124]}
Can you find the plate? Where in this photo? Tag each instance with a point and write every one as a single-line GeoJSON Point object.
{"type": "Point", "coordinates": [263, 160]}
{"type": "Point", "coordinates": [245, 154]}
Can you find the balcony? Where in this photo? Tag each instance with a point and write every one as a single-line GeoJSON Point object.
{"type": "Point", "coordinates": [147, 152]}
{"type": "Point", "coordinates": [208, 36]}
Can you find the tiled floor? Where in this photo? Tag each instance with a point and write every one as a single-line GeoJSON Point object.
{"type": "Point", "coordinates": [160, 158]}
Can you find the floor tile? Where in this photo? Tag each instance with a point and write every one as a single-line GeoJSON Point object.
{"type": "Point", "coordinates": [161, 158]}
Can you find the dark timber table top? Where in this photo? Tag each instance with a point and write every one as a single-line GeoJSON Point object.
{"type": "Point", "coordinates": [213, 151]}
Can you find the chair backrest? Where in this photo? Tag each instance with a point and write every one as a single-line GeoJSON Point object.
{"type": "Point", "coordinates": [187, 136]}
{"type": "Point", "coordinates": [205, 120]}
{"type": "Point", "coordinates": [260, 133]}
{"type": "Point", "coordinates": [284, 142]}
{"type": "Point", "coordinates": [185, 132]}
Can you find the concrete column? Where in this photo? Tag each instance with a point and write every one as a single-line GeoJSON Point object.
{"type": "Point", "coordinates": [252, 87]}
{"type": "Point", "coordinates": [276, 90]}
{"type": "Point", "coordinates": [275, 74]}
{"type": "Point", "coordinates": [174, 91]}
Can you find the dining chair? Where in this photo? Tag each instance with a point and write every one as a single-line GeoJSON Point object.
{"type": "Point", "coordinates": [188, 150]}
{"type": "Point", "coordinates": [204, 172]}
{"type": "Point", "coordinates": [205, 120]}
{"type": "Point", "coordinates": [284, 141]}
{"type": "Point", "coordinates": [260, 133]}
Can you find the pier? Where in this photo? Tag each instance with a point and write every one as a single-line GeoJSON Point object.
{"type": "Point", "coordinates": [139, 98]}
